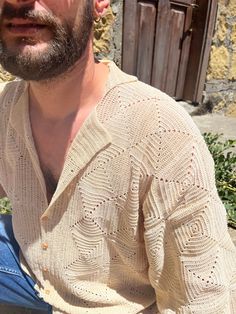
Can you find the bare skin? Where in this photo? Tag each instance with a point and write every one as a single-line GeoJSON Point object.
{"type": "Point", "coordinates": [58, 107]}
{"type": "Point", "coordinates": [58, 110]}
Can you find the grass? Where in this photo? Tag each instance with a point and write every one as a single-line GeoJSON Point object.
{"type": "Point", "coordinates": [225, 172]}
{"type": "Point", "coordinates": [5, 206]}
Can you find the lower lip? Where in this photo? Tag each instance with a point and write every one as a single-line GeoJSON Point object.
{"type": "Point", "coordinates": [23, 29]}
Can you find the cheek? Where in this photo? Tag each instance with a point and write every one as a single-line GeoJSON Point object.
{"type": "Point", "coordinates": [65, 9]}
{"type": "Point", "coordinates": [62, 6]}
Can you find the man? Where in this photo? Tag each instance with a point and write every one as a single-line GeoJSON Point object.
{"type": "Point", "coordinates": [112, 187]}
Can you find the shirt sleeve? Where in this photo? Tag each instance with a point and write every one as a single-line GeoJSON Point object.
{"type": "Point", "coordinates": [192, 260]}
{"type": "Point", "coordinates": [7, 90]}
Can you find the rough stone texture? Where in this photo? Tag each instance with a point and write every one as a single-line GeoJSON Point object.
{"type": "Point", "coordinates": [232, 72]}
{"type": "Point", "coordinates": [115, 49]}
{"type": "Point", "coordinates": [5, 76]}
{"type": "Point", "coordinates": [222, 25]}
{"type": "Point", "coordinates": [219, 63]}
{"type": "Point", "coordinates": [221, 77]}
{"type": "Point", "coordinates": [108, 34]}
{"type": "Point", "coordinates": [233, 36]}
{"type": "Point", "coordinates": [213, 122]}
{"type": "Point", "coordinates": [102, 34]}
{"type": "Point", "coordinates": [231, 109]}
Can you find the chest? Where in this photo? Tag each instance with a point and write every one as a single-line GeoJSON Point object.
{"type": "Point", "coordinates": [52, 147]}
{"type": "Point", "coordinates": [52, 142]}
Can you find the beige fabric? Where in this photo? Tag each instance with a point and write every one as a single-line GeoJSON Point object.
{"type": "Point", "coordinates": [135, 221]}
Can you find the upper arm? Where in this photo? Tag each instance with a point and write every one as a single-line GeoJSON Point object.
{"type": "Point", "coordinates": [190, 253]}
{"type": "Point", "coordinates": [7, 90]}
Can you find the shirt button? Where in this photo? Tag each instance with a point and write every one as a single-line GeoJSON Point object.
{"type": "Point", "coordinates": [47, 291]}
{"type": "Point", "coordinates": [45, 269]}
{"type": "Point", "coordinates": [44, 246]}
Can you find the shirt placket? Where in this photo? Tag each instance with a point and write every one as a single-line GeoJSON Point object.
{"type": "Point", "coordinates": [45, 247]}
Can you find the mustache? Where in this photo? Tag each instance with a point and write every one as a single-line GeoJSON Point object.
{"type": "Point", "coordinates": [26, 12]}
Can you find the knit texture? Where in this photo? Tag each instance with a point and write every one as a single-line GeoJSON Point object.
{"type": "Point", "coordinates": [136, 224]}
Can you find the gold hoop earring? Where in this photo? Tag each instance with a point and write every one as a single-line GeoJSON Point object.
{"type": "Point", "coordinates": [97, 19]}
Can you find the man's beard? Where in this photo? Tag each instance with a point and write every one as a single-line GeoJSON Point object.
{"type": "Point", "coordinates": [66, 47]}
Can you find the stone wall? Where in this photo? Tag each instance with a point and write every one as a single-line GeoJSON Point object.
{"type": "Point", "coordinates": [221, 77]}
{"type": "Point", "coordinates": [112, 29]}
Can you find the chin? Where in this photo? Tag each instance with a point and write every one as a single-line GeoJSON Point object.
{"type": "Point", "coordinates": [29, 47]}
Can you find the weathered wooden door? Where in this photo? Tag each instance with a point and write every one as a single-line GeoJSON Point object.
{"type": "Point", "coordinates": [157, 40]}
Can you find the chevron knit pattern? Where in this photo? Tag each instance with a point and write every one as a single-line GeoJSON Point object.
{"type": "Point", "coordinates": [135, 225]}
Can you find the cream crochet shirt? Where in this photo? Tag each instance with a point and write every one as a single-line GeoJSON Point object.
{"type": "Point", "coordinates": [135, 225]}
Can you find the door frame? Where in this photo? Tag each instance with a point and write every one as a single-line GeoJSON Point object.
{"type": "Point", "coordinates": [203, 29]}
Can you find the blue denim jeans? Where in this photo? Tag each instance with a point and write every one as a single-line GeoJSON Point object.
{"type": "Point", "coordinates": [16, 287]}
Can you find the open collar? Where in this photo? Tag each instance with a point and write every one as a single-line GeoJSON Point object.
{"type": "Point", "coordinates": [92, 137]}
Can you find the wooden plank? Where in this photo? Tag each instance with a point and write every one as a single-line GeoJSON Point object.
{"type": "Point", "coordinates": [147, 21]}
{"type": "Point", "coordinates": [207, 42]}
{"type": "Point", "coordinates": [177, 27]}
{"type": "Point", "coordinates": [179, 60]}
{"type": "Point", "coordinates": [183, 2]}
{"type": "Point", "coordinates": [129, 54]}
{"type": "Point", "coordinates": [203, 26]}
{"type": "Point", "coordinates": [161, 50]}
{"type": "Point", "coordinates": [185, 49]}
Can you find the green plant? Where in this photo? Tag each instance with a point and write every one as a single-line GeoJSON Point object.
{"type": "Point", "coordinates": [5, 207]}
{"type": "Point", "coordinates": [225, 172]}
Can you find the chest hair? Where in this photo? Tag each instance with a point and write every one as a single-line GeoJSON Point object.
{"type": "Point", "coordinates": [50, 182]}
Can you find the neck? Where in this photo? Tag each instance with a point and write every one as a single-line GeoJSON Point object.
{"type": "Point", "coordinates": [83, 86]}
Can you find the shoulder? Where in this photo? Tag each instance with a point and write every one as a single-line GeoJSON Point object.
{"type": "Point", "coordinates": [163, 136]}
{"type": "Point", "coordinates": [143, 105]}
{"type": "Point", "coordinates": [158, 124]}
{"type": "Point", "coordinates": [150, 108]}
{"type": "Point", "coordinates": [10, 94]}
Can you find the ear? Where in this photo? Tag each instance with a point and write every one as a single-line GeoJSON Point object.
{"type": "Point", "coordinates": [100, 7]}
